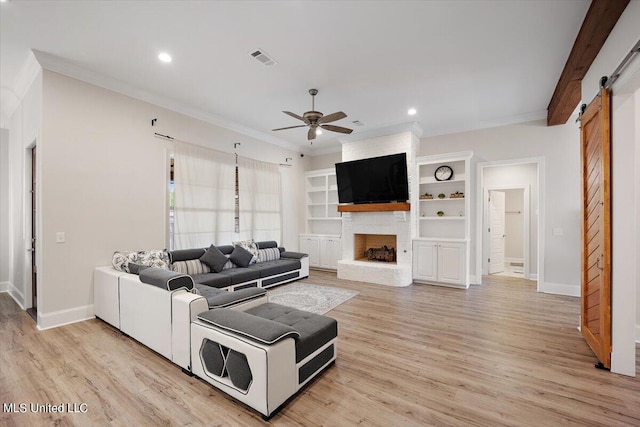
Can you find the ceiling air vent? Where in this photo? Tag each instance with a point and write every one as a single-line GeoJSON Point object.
{"type": "Point", "coordinates": [265, 59]}
{"type": "Point", "coordinates": [357, 123]}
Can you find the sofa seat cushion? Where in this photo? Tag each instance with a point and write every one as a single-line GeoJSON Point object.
{"type": "Point", "coordinates": [241, 275]}
{"type": "Point", "coordinates": [315, 330]}
{"type": "Point", "coordinates": [271, 268]}
{"type": "Point", "coordinates": [216, 280]}
{"type": "Point", "coordinates": [217, 298]}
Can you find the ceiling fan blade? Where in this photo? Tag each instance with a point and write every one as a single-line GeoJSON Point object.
{"type": "Point", "coordinates": [290, 127]}
{"type": "Point", "coordinates": [333, 128]}
{"type": "Point", "coordinates": [312, 134]}
{"type": "Point", "coordinates": [332, 117]}
{"type": "Point", "coordinates": [295, 116]}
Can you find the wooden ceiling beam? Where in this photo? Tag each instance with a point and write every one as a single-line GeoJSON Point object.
{"type": "Point", "coordinates": [598, 23]}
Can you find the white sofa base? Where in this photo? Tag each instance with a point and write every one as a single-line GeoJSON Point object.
{"type": "Point", "coordinates": [275, 373]}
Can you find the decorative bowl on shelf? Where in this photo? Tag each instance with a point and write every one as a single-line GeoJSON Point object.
{"type": "Point", "coordinates": [426, 196]}
{"type": "Point", "coordinates": [440, 213]}
{"type": "Point", "coordinates": [457, 195]}
{"type": "Point", "coordinates": [441, 196]}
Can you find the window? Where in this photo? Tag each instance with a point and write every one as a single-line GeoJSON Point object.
{"type": "Point", "coordinates": [215, 197]}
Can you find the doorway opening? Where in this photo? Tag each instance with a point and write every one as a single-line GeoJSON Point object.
{"type": "Point", "coordinates": [32, 215]}
{"type": "Point", "coordinates": [509, 228]}
{"type": "Point", "coordinates": [508, 231]}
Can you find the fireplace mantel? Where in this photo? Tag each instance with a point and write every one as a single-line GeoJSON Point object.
{"type": "Point", "coordinates": [375, 207]}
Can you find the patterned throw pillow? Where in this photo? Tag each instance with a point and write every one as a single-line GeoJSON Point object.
{"type": "Point", "coordinates": [190, 267]}
{"type": "Point", "coordinates": [248, 245]}
{"type": "Point", "coordinates": [270, 254]}
{"type": "Point", "coordinates": [154, 258]}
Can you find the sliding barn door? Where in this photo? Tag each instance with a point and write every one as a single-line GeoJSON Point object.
{"type": "Point", "coordinates": [596, 226]}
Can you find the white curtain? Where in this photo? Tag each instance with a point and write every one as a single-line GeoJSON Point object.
{"type": "Point", "coordinates": [260, 217]}
{"type": "Point", "coordinates": [204, 185]}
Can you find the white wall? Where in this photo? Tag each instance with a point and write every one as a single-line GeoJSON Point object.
{"type": "Point", "coordinates": [626, 190]}
{"type": "Point", "coordinates": [104, 178]}
{"type": "Point", "coordinates": [324, 161]}
{"type": "Point", "coordinates": [4, 210]}
{"type": "Point", "coordinates": [559, 146]}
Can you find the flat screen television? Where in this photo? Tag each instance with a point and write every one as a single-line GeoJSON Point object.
{"type": "Point", "coordinates": [375, 180]}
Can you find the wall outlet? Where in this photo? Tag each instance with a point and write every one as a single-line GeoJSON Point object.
{"type": "Point", "coordinates": [60, 237]}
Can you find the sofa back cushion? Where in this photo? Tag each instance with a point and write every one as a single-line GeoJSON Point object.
{"type": "Point", "coordinates": [267, 244]}
{"type": "Point", "coordinates": [185, 254]}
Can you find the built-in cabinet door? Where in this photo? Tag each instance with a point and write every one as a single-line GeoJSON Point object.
{"type": "Point", "coordinates": [451, 263]}
{"type": "Point", "coordinates": [425, 261]}
{"type": "Point", "coordinates": [311, 246]}
{"type": "Point", "coordinates": [329, 253]}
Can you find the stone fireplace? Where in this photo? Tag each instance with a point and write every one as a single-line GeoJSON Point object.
{"type": "Point", "coordinates": [354, 265]}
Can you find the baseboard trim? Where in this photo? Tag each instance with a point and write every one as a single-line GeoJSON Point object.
{"type": "Point", "coordinates": [560, 289]}
{"type": "Point", "coordinates": [533, 276]}
{"type": "Point", "coordinates": [13, 292]}
{"type": "Point", "coordinates": [64, 317]}
{"type": "Point", "coordinates": [638, 334]}
{"type": "Point", "coordinates": [475, 280]}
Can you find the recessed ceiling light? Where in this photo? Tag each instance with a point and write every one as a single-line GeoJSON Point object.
{"type": "Point", "coordinates": [412, 111]}
{"type": "Point", "coordinates": [165, 57]}
{"type": "Point", "coordinates": [318, 132]}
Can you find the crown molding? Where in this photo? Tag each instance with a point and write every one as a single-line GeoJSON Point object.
{"type": "Point", "coordinates": [413, 127]}
{"type": "Point", "coordinates": [13, 96]}
{"type": "Point", "coordinates": [61, 66]}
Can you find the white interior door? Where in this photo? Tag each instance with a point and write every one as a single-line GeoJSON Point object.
{"type": "Point", "coordinates": [496, 232]}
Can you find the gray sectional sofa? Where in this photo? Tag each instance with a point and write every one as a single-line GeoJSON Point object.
{"type": "Point", "coordinates": [271, 268]}
{"type": "Point", "coordinates": [220, 325]}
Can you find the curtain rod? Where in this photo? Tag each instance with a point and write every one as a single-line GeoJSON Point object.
{"type": "Point", "coordinates": [172, 139]}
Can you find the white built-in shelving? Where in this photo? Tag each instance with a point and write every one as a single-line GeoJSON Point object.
{"type": "Point", "coordinates": [323, 221]}
{"type": "Point", "coordinates": [441, 243]}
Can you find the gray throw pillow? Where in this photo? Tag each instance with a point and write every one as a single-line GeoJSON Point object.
{"type": "Point", "coordinates": [241, 257]}
{"type": "Point", "coordinates": [214, 259]}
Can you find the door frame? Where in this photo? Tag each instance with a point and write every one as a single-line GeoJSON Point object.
{"type": "Point", "coordinates": [526, 227]}
{"type": "Point", "coordinates": [481, 218]}
{"type": "Point", "coordinates": [27, 225]}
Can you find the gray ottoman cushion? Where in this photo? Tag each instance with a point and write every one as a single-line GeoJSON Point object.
{"type": "Point", "coordinates": [252, 327]}
{"type": "Point", "coordinates": [315, 330]}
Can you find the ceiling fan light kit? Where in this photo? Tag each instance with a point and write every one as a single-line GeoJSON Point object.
{"type": "Point", "coordinates": [315, 119]}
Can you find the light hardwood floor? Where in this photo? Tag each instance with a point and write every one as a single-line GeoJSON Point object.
{"type": "Point", "coordinates": [496, 354]}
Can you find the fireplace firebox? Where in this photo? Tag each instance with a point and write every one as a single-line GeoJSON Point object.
{"type": "Point", "coordinates": [375, 247]}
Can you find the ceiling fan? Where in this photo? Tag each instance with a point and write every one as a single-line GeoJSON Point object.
{"type": "Point", "coordinates": [315, 119]}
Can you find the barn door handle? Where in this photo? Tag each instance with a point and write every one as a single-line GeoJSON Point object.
{"type": "Point", "coordinates": [598, 263]}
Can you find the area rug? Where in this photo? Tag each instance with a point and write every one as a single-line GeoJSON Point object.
{"type": "Point", "coordinates": [309, 297]}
